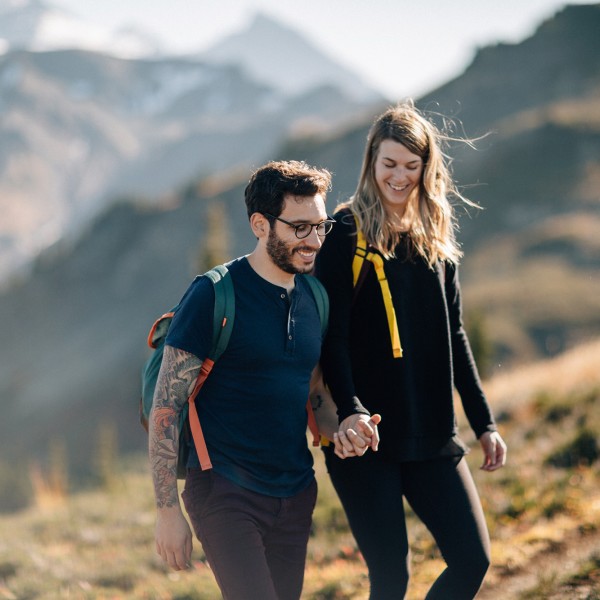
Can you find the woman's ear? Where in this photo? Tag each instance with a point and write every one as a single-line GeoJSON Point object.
{"type": "Point", "coordinates": [259, 224]}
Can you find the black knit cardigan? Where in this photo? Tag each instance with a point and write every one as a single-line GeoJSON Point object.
{"type": "Point", "coordinates": [414, 394]}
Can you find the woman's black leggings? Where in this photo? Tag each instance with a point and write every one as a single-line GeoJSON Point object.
{"type": "Point", "coordinates": [442, 494]}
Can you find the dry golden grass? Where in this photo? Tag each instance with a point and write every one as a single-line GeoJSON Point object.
{"type": "Point", "coordinates": [574, 371]}
{"type": "Point", "coordinates": [544, 276]}
{"type": "Point", "coordinates": [544, 520]}
{"type": "Point", "coordinates": [580, 112]}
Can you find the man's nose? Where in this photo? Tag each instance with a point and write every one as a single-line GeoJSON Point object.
{"type": "Point", "coordinates": [314, 238]}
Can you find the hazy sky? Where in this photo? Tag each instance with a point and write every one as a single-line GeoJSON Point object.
{"type": "Point", "coordinates": [401, 47]}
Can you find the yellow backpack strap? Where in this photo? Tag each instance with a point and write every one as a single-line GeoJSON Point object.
{"type": "Point", "coordinates": [389, 305]}
{"type": "Point", "coordinates": [360, 255]}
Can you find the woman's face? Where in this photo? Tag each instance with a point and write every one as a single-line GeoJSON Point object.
{"type": "Point", "coordinates": [397, 174]}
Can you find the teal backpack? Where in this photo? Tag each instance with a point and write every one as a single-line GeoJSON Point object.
{"type": "Point", "coordinates": [223, 319]}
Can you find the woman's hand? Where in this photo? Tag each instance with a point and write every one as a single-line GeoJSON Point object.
{"type": "Point", "coordinates": [494, 451]}
{"type": "Point", "coordinates": [356, 434]}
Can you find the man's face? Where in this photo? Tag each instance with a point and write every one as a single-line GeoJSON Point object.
{"type": "Point", "coordinates": [286, 251]}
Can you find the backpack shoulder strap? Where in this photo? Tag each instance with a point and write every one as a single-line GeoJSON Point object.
{"type": "Point", "coordinates": [223, 318]}
{"type": "Point", "coordinates": [321, 300]}
{"type": "Point", "coordinates": [360, 266]}
{"type": "Point", "coordinates": [360, 253]}
{"type": "Point", "coordinates": [224, 311]}
{"type": "Point", "coordinates": [362, 258]}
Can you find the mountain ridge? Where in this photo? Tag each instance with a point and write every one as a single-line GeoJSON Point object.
{"type": "Point", "coordinates": [81, 128]}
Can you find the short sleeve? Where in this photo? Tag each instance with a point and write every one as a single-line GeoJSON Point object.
{"type": "Point", "coordinates": [191, 328]}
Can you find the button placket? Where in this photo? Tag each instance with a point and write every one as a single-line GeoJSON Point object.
{"type": "Point", "coordinates": [291, 324]}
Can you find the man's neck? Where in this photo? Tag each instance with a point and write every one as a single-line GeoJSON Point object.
{"type": "Point", "coordinates": [268, 271]}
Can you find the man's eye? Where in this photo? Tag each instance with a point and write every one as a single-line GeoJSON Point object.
{"type": "Point", "coordinates": [303, 228]}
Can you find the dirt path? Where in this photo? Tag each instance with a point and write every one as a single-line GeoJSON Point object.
{"type": "Point", "coordinates": [545, 572]}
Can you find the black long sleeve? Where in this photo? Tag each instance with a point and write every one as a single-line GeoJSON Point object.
{"type": "Point", "coordinates": [414, 394]}
{"type": "Point", "coordinates": [466, 376]}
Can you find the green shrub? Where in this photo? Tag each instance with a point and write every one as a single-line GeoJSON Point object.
{"type": "Point", "coordinates": [194, 594]}
{"type": "Point", "coordinates": [15, 487]}
{"type": "Point", "coordinates": [8, 569]}
{"type": "Point", "coordinates": [121, 581]}
{"type": "Point", "coordinates": [551, 408]}
{"type": "Point", "coordinates": [582, 450]}
{"type": "Point", "coordinates": [332, 590]}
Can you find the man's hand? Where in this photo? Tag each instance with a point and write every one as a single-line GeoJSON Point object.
{"type": "Point", "coordinates": [494, 451]}
{"type": "Point", "coordinates": [173, 538]}
{"type": "Point", "coordinates": [356, 434]}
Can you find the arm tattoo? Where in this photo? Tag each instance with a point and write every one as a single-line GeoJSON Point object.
{"type": "Point", "coordinates": [176, 379]}
{"type": "Point", "coordinates": [316, 401]}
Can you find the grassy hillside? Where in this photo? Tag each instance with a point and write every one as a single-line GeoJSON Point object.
{"type": "Point", "coordinates": [543, 511]}
{"type": "Point", "coordinates": [537, 291]}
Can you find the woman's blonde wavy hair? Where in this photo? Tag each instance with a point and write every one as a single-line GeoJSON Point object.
{"type": "Point", "coordinates": [429, 213]}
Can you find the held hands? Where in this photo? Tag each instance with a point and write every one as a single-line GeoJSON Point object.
{"type": "Point", "coordinates": [356, 434]}
{"type": "Point", "coordinates": [494, 451]}
{"type": "Point", "coordinates": [173, 538]}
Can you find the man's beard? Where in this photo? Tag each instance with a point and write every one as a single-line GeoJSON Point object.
{"type": "Point", "coordinates": [282, 256]}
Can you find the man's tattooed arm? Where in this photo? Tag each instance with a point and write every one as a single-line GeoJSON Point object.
{"type": "Point", "coordinates": [322, 404]}
{"type": "Point", "coordinates": [176, 379]}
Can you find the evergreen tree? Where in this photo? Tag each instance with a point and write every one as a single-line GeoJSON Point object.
{"type": "Point", "coordinates": [215, 243]}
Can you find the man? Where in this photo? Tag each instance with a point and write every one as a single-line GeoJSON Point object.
{"type": "Point", "coordinates": [252, 511]}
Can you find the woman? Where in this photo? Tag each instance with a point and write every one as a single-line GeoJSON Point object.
{"type": "Point", "coordinates": [402, 359]}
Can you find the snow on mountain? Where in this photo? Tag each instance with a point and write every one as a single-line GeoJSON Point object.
{"type": "Point", "coordinates": [283, 58]}
{"type": "Point", "coordinates": [37, 25]}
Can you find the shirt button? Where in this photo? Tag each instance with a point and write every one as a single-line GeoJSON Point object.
{"type": "Point", "coordinates": [283, 296]}
{"type": "Point", "coordinates": [290, 337]}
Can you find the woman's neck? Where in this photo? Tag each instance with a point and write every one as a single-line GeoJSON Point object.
{"type": "Point", "coordinates": [397, 220]}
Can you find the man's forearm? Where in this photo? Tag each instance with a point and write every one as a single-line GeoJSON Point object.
{"type": "Point", "coordinates": [176, 380]}
{"type": "Point", "coordinates": [325, 412]}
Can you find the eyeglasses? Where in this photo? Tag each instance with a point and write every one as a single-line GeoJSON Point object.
{"type": "Point", "coordinates": [303, 230]}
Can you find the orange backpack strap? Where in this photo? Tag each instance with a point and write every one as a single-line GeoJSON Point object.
{"type": "Point", "coordinates": [312, 424]}
{"type": "Point", "coordinates": [194, 420]}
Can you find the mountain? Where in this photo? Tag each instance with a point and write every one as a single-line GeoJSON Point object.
{"type": "Point", "coordinates": [532, 253]}
{"type": "Point", "coordinates": [80, 128]}
{"type": "Point", "coordinates": [73, 333]}
{"type": "Point", "coordinates": [283, 59]}
{"type": "Point", "coordinates": [560, 62]}
{"type": "Point", "coordinates": [37, 25]}
{"type": "Point", "coordinates": [536, 242]}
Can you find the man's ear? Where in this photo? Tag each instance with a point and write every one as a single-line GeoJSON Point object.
{"type": "Point", "coordinates": [260, 225]}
